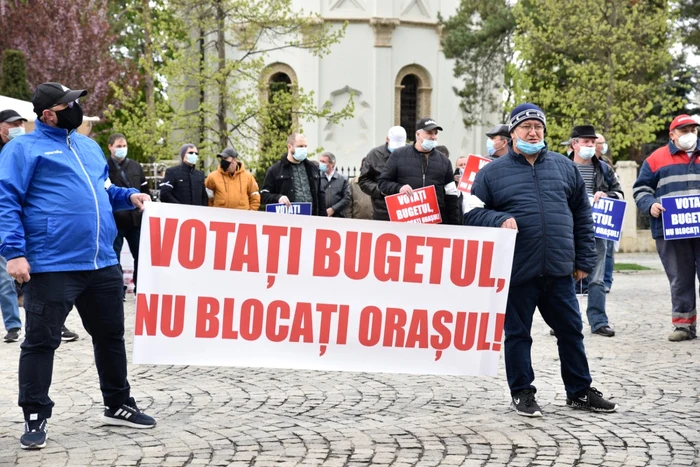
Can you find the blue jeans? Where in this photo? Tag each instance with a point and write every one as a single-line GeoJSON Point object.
{"type": "Point", "coordinates": [556, 300]}
{"type": "Point", "coordinates": [8, 298]}
{"type": "Point", "coordinates": [609, 264]}
{"type": "Point", "coordinates": [596, 289]}
{"type": "Point", "coordinates": [132, 237]}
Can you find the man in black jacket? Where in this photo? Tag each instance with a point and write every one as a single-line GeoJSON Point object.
{"type": "Point", "coordinates": [126, 173]}
{"type": "Point", "coordinates": [295, 179]}
{"type": "Point", "coordinates": [421, 165]}
{"type": "Point", "coordinates": [184, 184]}
{"type": "Point", "coordinates": [372, 166]}
{"type": "Point", "coordinates": [335, 185]}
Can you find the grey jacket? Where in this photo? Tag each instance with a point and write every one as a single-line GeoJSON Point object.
{"type": "Point", "coordinates": [337, 193]}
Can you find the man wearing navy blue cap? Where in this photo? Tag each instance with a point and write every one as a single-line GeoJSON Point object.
{"type": "Point", "coordinates": [542, 195]}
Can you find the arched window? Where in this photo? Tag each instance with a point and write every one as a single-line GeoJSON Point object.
{"type": "Point", "coordinates": [279, 89]}
{"type": "Point", "coordinates": [412, 97]}
{"type": "Point", "coordinates": [278, 84]}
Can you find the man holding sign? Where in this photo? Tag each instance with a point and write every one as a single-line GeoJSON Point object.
{"type": "Point", "coordinates": [420, 165]}
{"type": "Point", "coordinates": [674, 170]}
{"type": "Point", "coordinates": [600, 183]}
{"type": "Point", "coordinates": [542, 195]}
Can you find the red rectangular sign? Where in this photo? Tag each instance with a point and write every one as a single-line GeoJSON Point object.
{"type": "Point", "coordinates": [474, 163]}
{"type": "Point", "coordinates": [421, 208]}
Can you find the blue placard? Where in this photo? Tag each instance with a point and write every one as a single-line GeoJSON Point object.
{"type": "Point", "coordinates": [681, 217]}
{"type": "Point", "coordinates": [608, 214]}
{"type": "Point", "coordinates": [300, 209]}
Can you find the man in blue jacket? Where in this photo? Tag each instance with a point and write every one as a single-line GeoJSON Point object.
{"type": "Point", "coordinates": [542, 195]}
{"type": "Point", "coordinates": [56, 204]}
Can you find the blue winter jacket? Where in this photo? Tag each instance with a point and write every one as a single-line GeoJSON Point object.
{"type": "Point", "coordinates": [55, 208]}
{"type": "Point", "coordinates": [549, 203]}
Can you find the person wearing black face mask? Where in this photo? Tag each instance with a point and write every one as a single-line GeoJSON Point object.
{"type": "Point", "coordinates": [57, 233]}
{"type": "Point", "coordinates": [231, 185]}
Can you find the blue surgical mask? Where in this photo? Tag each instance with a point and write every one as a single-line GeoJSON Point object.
{"type": "Point", "coordinates": [428, 144]}
{"type": "Point", "coordinates": [390, 149]}
{"type": "Point", "coordinates": [120, 153]}
{"type": "Point", "coordinates": [191, 158]}
{"type": "Point", "coordinates": [529, 148]}
{"type": "Point", "coordinates": [299, 154]}
{"type": "Point", "coordinates": [605, 149]}
{"type": "Point", "coordinates": [586, 152]}
{"type": "Point", "coordinates": [15, 132]}
{"type": "Point", "coordinates": [322, 167]}
{"type": "Point", "coordinates": [490, 147]}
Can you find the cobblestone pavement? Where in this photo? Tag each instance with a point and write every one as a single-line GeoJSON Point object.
{"type": "Point", "coordinates": [240, 416]}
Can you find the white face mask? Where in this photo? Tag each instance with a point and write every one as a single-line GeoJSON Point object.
{"type": "Point", "coordinates": [586, 152]}
{"type": "Point", "coordinates": [687, 141]}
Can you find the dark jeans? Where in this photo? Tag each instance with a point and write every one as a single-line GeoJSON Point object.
{"type": "Point", "coordinates": [556, 300]}
{"type": "Point", "coordinates": [132, 237]}
{"type": "Point", "coordinates": [609, 264]}
{"type": "Point", "coordinates": [681, 260]}
{"type": "Point", "coordinates": [48, 298]}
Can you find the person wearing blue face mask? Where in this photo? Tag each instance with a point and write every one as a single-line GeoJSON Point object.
{"type": "Point", "coordinates": [295, 179]}
{"type": "Point", "coordinates": [372, 166]}
{"type": "Point", "coordinates": [184, 184]}
{"type": "Point", "coordinates": [11, 126]}
{"type": "Point", "coordinates": [542, 195]}
{"type": "Point", "coordinates": [497, 142]}
{"type": "Point", "coordinates": [603, 154]}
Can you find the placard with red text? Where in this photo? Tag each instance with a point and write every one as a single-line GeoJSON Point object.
{"type": "Point", "coordinates": [239, 288]}
{"type": "Point", "coordinates": [474, 164]}
{"type": "Point", "coordinates": [420, 208]}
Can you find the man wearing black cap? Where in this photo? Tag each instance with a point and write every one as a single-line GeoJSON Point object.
{"type": "Point", "coordinates": [497, 142]}
{"type": "Point", "coordinates": [11, 126]}
{"type": "Point", "coordinates": [56, 203]}
{"type": "Point", "coordinates": [231, 185]}
{"type": "Point", "coordinates": [420, 165]}
{"type": "Point", "coordinates": [600, 183]}
{"type": "Point", "coordinates": [540, 194]}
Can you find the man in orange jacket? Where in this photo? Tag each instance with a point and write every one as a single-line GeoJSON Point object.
{"type": "Point", "coordinates": [231, 185]}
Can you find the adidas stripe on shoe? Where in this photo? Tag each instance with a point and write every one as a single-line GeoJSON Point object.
{"type": "Point", "coordinates": [127, 414]}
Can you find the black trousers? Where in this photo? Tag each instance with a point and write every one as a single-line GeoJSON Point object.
{"type": "Point", "coordinates": [48, 298]}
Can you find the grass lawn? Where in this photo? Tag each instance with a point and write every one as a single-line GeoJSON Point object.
{"type": "Point", "coordinates": [630, 267]}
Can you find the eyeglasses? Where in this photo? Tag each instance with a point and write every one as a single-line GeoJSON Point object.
{"type": "Point", "coordinates": [529, 128]}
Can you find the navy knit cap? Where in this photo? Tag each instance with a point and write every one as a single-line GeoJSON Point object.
{"type": "Point", "coordinates": [526, 111]}
{"type": "Point", "coordinates": [184, 148]}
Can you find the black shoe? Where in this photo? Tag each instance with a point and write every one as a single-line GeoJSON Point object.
{"type": "Point", "coordinates": [593, 401]}
{"type": "Point", "coordinates": [525, 404]}
{"type": "Point", "coordinates": [12, 335]}
{"type": "Point", "coordinates": [127, 415]}
{"type": "Point", "coordinates": [35, 434]}
{"type": "Point", "coordinates": [551, 332]}
{"type": "Point", "coordinates": [606, 331]}
{"type": "Point", "coordinates": [67, 335]}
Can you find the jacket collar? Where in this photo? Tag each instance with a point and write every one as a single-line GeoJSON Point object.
{"type": "Point", "coordinates": [673, 149]}
{"type": "Point", "coordinates": [58, 134]}
{"type": "Point", "coordinates": [520, 158]}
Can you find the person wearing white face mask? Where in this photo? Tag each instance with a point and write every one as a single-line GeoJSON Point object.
{"type": "Point", "coordinates": [600, 183]}
{"type": "Point", "coordinates": [184, 184]}
{"type": "Point", "coordinates": [602, 152]}
{"type": "Point", "coordinates": [11, 126]}
{"type": "Point", "coordinates": [674, 170]}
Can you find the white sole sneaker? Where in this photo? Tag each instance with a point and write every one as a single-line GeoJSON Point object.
{"type": "Point", "coordinates": [35, 446]}
{"type": "Point", "coordinates": [121, 422]}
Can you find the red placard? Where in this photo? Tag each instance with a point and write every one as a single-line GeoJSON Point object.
{"type": "Point", "coordinates": [421, 208]}
{"type": "Point", "coordinates": [474, 163]}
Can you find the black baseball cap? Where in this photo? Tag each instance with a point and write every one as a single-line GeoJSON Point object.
{"type": "Point", "coordinates": [427, 124]}
{"type": "Point", "coordinates": [228, 152]}
{"type": "Point", "coordinates": [498, 130]}
{"type": "Point", "coordinates": [10, 116]}
{"type": "Point", "coordinates": [47, 95]}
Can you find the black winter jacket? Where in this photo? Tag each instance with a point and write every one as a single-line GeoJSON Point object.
{"type": "Point", "coordinates": [549, 203]}
{"type": "Point", "coordinates": [279, 182]}
{"type": "Point", "coordinates": [407, 166]}
{"type": "Point", "coordinates": [128, 174]}
{"type": "Point", "coordinates": [184, 185]}
{"type": "Point", "coordinates": [371, 169]}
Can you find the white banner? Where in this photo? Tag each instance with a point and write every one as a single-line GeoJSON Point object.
{"type": "Point", "coordinates": [238, 288]}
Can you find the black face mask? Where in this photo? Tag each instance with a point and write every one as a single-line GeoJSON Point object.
{"type": "Point", "coordinates": [225, 165]}
{"type": "Point", "coordinates": [70, 118]}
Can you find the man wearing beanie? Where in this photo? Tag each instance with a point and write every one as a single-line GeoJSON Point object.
{"type": "Point", "coordinates": [184, 184]}
{"type": "Point", "coordinates": [540, 194]}
{"type": "Point", "coordinates": [674, 170]}
{"type": "Point", "coordinates": [57, 229]}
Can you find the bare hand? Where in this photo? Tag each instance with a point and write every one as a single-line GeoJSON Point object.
{"type": "Point", "coordinates": [656, 209]}
{"type": "Point", "coordinates": [18, 269]}
{"type": "Point", "coordinates": [598, 195]}
{"type": "Point", "coordinates": [580, 275]}
{"type": "Point", "coordinates": [137, 199]}
{"type": "Point", "coordinates": [406, 190]}
{"type": "Point", "coordinates": [330, 212]}
{"type": "Point", "coordinates": [509, 224]}
{"type": "Point", "coordinates": [285, 200]}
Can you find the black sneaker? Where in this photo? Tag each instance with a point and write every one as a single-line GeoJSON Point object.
{"type": "Point", "coordinates": [605, 331]}
{"type": "Point", "coordinates": [593, 400]}
{"type": "Point", "coordinates": [525, 404]}
{"type": "Point", "coordinates": [12, 335]}
{"type": "Point", "coordinates": [67, 335]}
{"type": "Point", "coordinates": [35, 434]}
{"type": "Point", "coordinates": [127, 415]}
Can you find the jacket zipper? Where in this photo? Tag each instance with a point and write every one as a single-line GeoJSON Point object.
{"type": "Point", "coordinates": [94, 195]}
{"type": "Point", "coordinates": [539, 201]}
